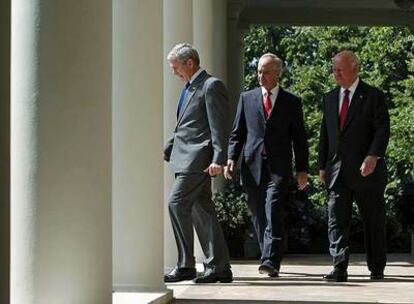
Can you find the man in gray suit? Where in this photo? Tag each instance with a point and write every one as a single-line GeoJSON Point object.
{"type": "Point", "coordinates": [197, 151]}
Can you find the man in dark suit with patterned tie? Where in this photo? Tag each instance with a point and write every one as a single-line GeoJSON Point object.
{"type": "Point", "coordinates": [196, 152]}
{"type": "Point", "coordinates": [353, 139]}
{"type": "Point", "coordinates": [269, 121]}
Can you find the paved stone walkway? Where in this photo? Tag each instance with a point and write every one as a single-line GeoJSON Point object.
{"type": "Point", "coordinates": [301, 281]}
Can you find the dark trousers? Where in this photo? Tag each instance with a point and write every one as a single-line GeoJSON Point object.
{"type": "Point", "coordinates": [370, 202]}
{"type": "Point", "coordinates": [190, 206]}
{"type": "Point", "coordinates": [266, 203]}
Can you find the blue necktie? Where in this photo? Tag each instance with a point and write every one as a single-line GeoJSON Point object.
{"type": "Point", "coordinates": [182, 98]}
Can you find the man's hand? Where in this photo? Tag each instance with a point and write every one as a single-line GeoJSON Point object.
{"type": "Point", "coordinates": [302, 179]}
{"type": "Point", "coordinates": [368, 165]}
{"type": "Point", "coordinates": [228, 170]}
{"type": "Point", "coordinates": [214, 169]}
{"type": "Point", "coordinates": [322, 176]}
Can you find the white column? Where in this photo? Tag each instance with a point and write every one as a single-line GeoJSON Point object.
{"type": "Point", "coordinates": [235, 67]}
{"type": "Point", "coordinates": [210, 39]}
{"type": "Point", "coordinates": [210, 35]}
{"type": "Point", "coordinates": [138, 215]}
{"type": "Point", "coordinates": [4, 151]}
{"type": "Point", "coordinates": [61, 152]}
{"type": "Point", "coordinates": [178, 27]}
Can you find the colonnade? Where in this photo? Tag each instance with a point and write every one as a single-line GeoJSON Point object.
{"type": "Point", "coordinates": [92, 100]}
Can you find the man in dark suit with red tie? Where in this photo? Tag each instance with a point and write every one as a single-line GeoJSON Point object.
{"type": "Point", "coordinates": [353, 139]}
{"type": "Point", "coordinates": [269, 121]}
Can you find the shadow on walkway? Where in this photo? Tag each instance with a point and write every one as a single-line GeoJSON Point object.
{"type": "Point", "coordinates": [301, 282]}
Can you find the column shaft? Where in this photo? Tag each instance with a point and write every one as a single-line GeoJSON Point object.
{"type": "Point", "coordinates": [4, 151]}
{"type": "Point", "coordinates": [178, 27]}
{"type": "Point", "coordinates": [210, 35]}
{"type": "Point", "coordinates": [235, 65]}
{"type": "Point", "coordinates": [138, 216]}
{"type": "Point", "coordinates": [210, 38]}
{"type": "Point", "coordinates": [61, 152]}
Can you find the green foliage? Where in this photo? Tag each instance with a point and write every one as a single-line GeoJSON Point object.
{"type": "Point", "coordinates": [405, 205]}
{"type": "Point", "coordinates": [386, 61]}
{"type": "Point", "coordinates": [232, 211]}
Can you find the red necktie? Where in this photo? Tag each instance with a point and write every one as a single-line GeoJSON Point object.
{"type": "Point", "coordinates": [267, 111]}
{"type": "Point", "coordinates": [267, 104]}
{"type": "Point", "coordinates": [344, 110]}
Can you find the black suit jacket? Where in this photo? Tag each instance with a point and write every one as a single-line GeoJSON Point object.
{"type": "Point", "coordinates": [366, 132]}
{"type": "Point", "coordinates": [252, 133]}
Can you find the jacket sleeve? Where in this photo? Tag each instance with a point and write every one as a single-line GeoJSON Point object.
{"type": "Point", "coordinates": [217, 106]}
{"type": "Point", "coordinates": [239, 131]}
{"type": "Point", "coordinates": [300, 141]}
{"type": "Point", "coordinates": [323, 142]}
{"type": "Point", "coordinates": [168, 148]}
{"type": "Point", "coordinates": [381, 127]}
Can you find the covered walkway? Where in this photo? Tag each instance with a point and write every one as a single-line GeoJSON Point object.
{"type": "Point", "coordinates": [301, 282]}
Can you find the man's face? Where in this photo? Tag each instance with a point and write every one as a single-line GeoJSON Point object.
{"type": "Point", "coordinates": [345, 71]}
{"type": "Point", "coordinates": [183, 70]}
{"type": "Point", "coordinates": [267, 74]}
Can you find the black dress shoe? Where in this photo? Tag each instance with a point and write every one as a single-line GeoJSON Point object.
{"type": "Point", "coordinates": [211, 276]}
{"type": "Point", "coordinates": [267, 268]}
{"type": "Point", "coordinates": [377, 276]}
{"type": "Point", "coordinates": [336, 276]}
{"type": "Point", "coordinates": [180, 274]}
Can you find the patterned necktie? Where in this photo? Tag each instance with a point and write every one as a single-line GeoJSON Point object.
{"type": "Point", "coordinates": [267, 104]}
{"type": "Point", "coordinates": [182, 98]}
{"type": "Point", "coordinates": [344, 110]}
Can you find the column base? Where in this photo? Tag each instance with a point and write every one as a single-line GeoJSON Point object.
{"type": "Point", "coordinates": [128, 297]}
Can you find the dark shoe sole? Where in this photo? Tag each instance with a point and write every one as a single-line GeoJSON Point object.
{"type": "Point", "coordinates": [270, 271]}
{"type": "Point", "coordinates": [226, 280]}
{"type": "Point", "coordinates": [340, 279]}
{"type": "Point", "coordinates": [264, 269]}
{"type": "Point", "coordinates": [274, 274]}
{"type": "Point", "coordinates": [175, 280]}
{"type": "Point", "coordinates": [221, 280]}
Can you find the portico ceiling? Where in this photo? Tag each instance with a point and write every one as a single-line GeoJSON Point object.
{"type": "Point", "coordinates": [328, 12]}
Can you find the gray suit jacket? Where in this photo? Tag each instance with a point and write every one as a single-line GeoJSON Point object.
{"type": "Point", "coordinates": [201, 134]}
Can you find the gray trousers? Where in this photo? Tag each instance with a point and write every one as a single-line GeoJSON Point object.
{"type": "Point", "coordinates": [190, 206]}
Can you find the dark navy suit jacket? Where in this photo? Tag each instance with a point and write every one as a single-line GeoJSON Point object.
{"type": "Point", "coordinates": [366, 132]}
{"type": "Point", "coordinates": [282, 132]}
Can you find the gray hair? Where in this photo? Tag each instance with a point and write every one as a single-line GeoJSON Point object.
{"type": "Point", "coordinates": [182, 52]}
{"type": "Point", "coordinates": [349, 56]}
{"type": "Point", "coordinates": [277, 62]}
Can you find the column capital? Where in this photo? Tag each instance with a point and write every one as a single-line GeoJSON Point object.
{"type": "Point", "coordinates": [234, 7]}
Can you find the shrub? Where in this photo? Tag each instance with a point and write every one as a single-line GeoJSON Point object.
{"type": "Point", "coordinates": [233, 216]}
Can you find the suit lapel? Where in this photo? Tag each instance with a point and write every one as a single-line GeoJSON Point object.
{"type": "Point", "coordinates": [260, 106]}
{"type": "Point", "coordinates": [336, 105]}
{"type": "Point", "coordinates": [259, 103]}
{"type": "Point", "coordinates": [356, 102]}
{"type": "Point", "coordinates": [333, 108]}
{"type": "Point", "coordinates": [279, 99]}
{"type": "Point", "coordinates": [191, 91]}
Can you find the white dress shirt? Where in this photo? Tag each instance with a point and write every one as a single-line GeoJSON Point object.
{"type": "Point", "coordinates": [351, 90]}
{"type": "Point", "coordinates": [273, 96]}
{"type": "Point", "coordinates": [195, 75]}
